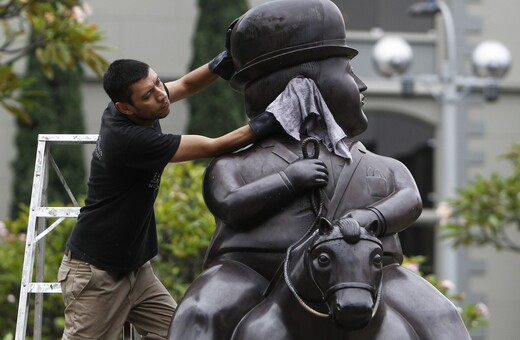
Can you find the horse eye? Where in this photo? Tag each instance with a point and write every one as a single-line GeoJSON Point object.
{"type": "Point", "coordinates": [323, 260]}
{"type": "Point", "coordinates": [378, 259]}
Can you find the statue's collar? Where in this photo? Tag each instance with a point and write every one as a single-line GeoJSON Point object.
{"type": "Point", "coordinates": [289, 149]}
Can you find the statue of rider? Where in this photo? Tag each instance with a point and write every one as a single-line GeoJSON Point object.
{"type": "Point", "coordinates": [292, 59]}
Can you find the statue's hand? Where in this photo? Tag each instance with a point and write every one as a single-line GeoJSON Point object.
{"type": "Point", "coordinates": [368, 219]}
{"type": "Point", "coordinates": [222, 65]}
{"type": "Point", "coordinates": [305, 174]}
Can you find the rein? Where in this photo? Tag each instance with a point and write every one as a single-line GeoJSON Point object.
{"type": "Point", "coordinates": [317, 206]}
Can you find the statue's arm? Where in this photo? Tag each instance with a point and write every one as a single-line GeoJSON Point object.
{"type": "Point", "coordinates": [235, 201]}
{"type": "Point", "coordinates": [396, 211]}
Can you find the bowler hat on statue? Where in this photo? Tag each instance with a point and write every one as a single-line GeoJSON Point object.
{"type": "Point", "coordinates": [282, 33]}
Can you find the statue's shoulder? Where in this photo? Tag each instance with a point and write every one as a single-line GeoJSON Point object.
{"type": "Point", "coordinates": [374, 158]}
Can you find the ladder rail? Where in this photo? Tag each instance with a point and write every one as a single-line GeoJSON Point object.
{"type": "Point", "coordinates": [36, 231]}
{"type": "Point", "coordinates": [28, 262]}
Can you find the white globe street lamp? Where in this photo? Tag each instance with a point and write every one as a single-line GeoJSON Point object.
{"type": "Point", "coordinates": [491, 59]}
{"type": "Point", "coordinates": [392, 55]}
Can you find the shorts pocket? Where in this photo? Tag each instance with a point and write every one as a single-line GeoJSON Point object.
{"type": "Point", "coordinates": [73, 280]}
{"type": "Point", "coordinates": [62, 274]}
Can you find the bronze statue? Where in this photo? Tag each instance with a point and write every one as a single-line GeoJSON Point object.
{"type": "Point", "coordinates": [291, 59]}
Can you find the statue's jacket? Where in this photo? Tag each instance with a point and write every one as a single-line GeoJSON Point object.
{"type": "Point", "coordinates": [259, 215]}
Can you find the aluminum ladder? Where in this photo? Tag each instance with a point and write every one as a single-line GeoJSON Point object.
{"type": "Point", "coordinates": [37, 230]}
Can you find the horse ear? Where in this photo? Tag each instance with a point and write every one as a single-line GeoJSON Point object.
{"type": "Point", "coordinates": [325, 226]}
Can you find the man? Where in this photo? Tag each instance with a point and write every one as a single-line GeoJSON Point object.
{"type": "Point", "coordinates": [105, 275]}
{"type": "Point", "coordinates": [299, 68]}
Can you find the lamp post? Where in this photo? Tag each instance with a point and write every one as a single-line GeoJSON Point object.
{"type": "Point", "coordinates": [491, 60]}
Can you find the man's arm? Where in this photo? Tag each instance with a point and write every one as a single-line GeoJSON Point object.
{"type": "Point", "coordinates": [200, 78]}
{"type": "Point", "coordinates": [193, 147]}
{"type": "Point", "coordinates": [191, 83]}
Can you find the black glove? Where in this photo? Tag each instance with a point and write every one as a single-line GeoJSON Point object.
{"type": "Point", "coordinates": [305, 174]}
{"type": "Point", "coordinates": [265, 124]}
{"type": "Point", "coordinates": [222, 65]}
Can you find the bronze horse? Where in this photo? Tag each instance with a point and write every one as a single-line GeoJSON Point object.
{"type": "Point", "coordinates": [331, 288]}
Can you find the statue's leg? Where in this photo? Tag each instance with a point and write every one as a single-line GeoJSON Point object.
{"type": "Point", "coordinates": [433, 316]}
{"type": "Point", "coordinates": [216, 301]}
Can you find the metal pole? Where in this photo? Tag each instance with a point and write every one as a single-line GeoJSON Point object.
{"type": "Point", "coordinates": [449, 159]}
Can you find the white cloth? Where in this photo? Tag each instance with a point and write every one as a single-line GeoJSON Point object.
{"type": "Point", "coordinates": [300, 108]}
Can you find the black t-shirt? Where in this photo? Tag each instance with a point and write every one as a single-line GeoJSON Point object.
{"type": "Point", "coordinates": [116, 228]}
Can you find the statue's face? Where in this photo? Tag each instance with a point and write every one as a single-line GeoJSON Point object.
{"type": "Point", "coordinates": [343, 93]}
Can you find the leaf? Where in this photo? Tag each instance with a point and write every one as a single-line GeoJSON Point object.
{"type": "Point", "coordinates": [17, 111]}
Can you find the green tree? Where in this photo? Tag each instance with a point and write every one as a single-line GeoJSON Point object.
{"type": "Point", "coordinates": [487, 211]}
{"type": "Point", "coordinates": [218, 109]}
{"type": "Point", "coordinates": [61, 39]}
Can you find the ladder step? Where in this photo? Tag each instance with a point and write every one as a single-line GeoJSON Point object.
{"type": "Point", "coordinates": [68, 139]}
{"type": "Point", "coordinates": [44, 287]}
{"type": "Point", "coordinates": [52, 212]}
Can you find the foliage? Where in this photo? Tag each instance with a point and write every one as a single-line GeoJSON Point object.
{"type": "Point", "coordinates": [12, 247]}
{"type": "Point", "coordinates": [184, 226]}
{"type": "Point", "coordinates": [61, 40]}
{"type": "Point", "coordinates": [475, 316]}
{"type": "Point", "coordinates": [487, 211]}
{"type": "Point", "coordinates": [218, 109]}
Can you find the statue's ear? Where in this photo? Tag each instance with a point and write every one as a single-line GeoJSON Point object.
{"type": "Point", "coordinates": [325, 226]}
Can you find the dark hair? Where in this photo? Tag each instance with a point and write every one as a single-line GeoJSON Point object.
{"type": "Point", "coordinates": [120, 75]}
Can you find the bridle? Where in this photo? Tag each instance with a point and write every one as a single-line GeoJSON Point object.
{"type": "Point", "coordinates": [375, 292]}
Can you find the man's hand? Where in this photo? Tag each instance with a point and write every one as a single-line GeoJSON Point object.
{"type": "Point", "coordinates": [305, 174]}
{"type": "Point", "coordinates": [265, 124]}
{"type": "Point", "coordinates": [222, 65]}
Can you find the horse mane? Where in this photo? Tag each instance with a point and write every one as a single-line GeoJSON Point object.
{"type": "Point", "coordinates": [350, 230]}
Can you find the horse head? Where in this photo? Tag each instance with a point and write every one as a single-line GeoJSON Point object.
{"type": "Point", "coordinates": [344, 262]}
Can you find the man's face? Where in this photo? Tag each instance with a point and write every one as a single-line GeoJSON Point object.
{"type": "Point", "coordinates": [149, 100]}
{"type": "Point", "coordinates": [342, 91]}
